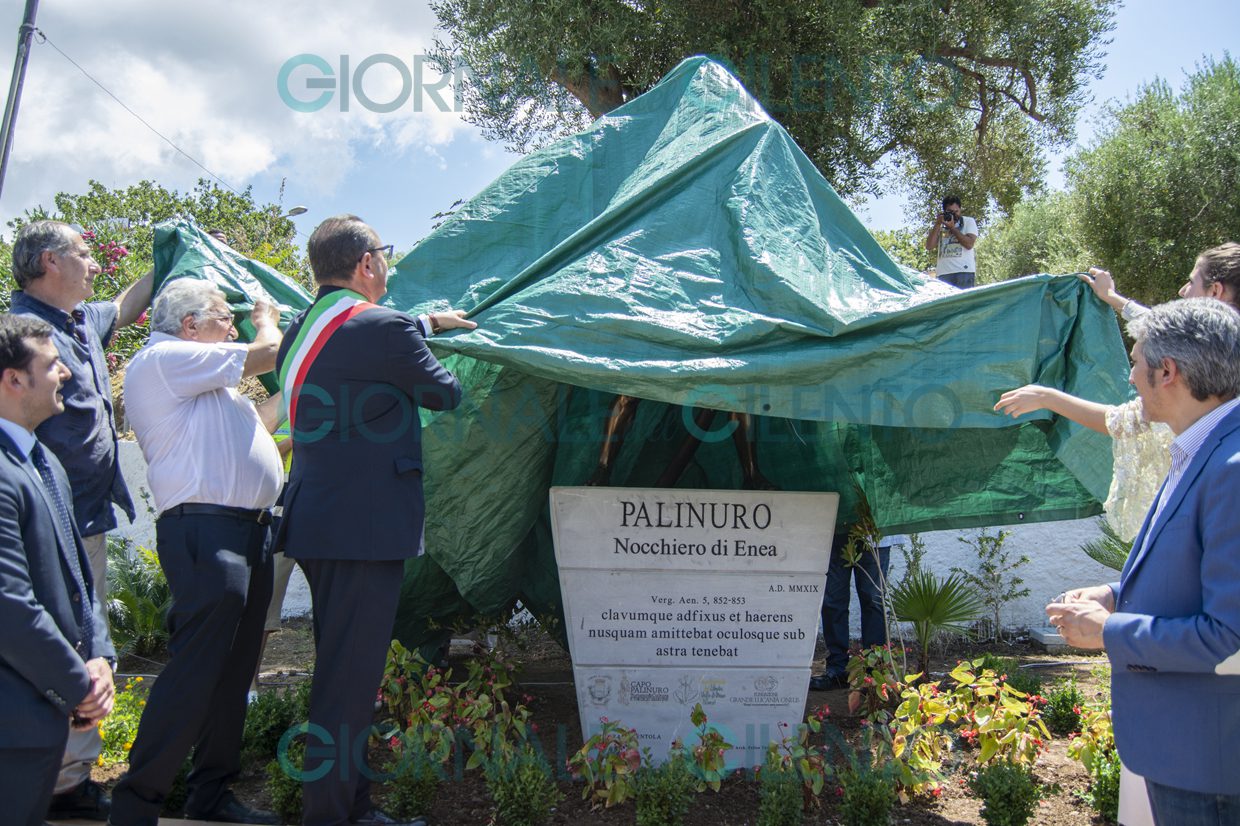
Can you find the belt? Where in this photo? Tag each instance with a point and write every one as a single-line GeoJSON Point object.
{"type": "Point", "coordinates": [262, 516]}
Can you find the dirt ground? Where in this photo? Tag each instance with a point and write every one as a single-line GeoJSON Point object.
{"type": "Point", "coordinates": [546, 674]}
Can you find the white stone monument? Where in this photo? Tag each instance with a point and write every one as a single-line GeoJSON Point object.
{"type": "Point", "coordinates": [678, 597]}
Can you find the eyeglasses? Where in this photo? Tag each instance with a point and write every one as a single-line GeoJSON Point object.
{"type": "Point", "coordinates": [218, 315]}
{"type": "Point", "coordinates": [386, 251]}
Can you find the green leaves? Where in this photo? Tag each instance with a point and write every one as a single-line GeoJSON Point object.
{"type": "Point", "coordinates": [962, 96]}
{"type": "Point", "coordinates": [138, 600]}
{"type": "Point", "coordinates": [932, 604]}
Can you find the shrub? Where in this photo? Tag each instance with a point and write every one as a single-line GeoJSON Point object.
{"type": "Point", "coordinates": [709, 757]}
{"type": "Point", "coordinates": [414, 784]}
{"type": "Point", "coordinates": [120, 727]}
{"type": "Point", "coordinates": [867, 796]}
{"type": "Point", "coordinates": [138, 600]}
{"type": "Point", "coordinates": [270, 715]}
{"type": "Point", "coordinates": [1062, 713]}
{"type": "Point", "coordinates": [779, 796]}
{"type": "Point", "coordinates": [1008, 791]}
{"type": "Point", "coordinates": [607, 762]}
{"type": "Point", "coordinates": [995, 581]}
{"type": "Point", "coordinates": [664, 792]}
{"type": "Point", "coordinates": [1000, 721]}
{"type": "Point", "coordinates": [1103, 793]}
{"type": "Point", "coordinates": [1021, 679]}
{"type": "Point", "coordinates": [477, 711]}
{"type": "Point", "coordinates": [522, 788]}
{"type": "Point", "coordinates": [284, 783]}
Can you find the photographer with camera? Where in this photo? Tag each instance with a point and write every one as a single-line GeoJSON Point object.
{"type": "Point", "coordinates": [952, 236]}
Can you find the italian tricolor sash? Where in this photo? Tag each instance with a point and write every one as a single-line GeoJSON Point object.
{"type": "Point", "coordinates": [325, 318]}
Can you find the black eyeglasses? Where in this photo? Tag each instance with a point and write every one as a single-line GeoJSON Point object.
{"type": "Point", "coordinates": [386, 251]}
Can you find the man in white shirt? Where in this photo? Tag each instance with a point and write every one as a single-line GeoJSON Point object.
{"type": "Point", "coordinates": [952, 237]}
{"type": "Point", "coordinates": [214, 474]}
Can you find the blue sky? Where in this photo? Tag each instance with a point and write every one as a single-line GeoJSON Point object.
{"type": "Point", "coordinates": [205, 76]}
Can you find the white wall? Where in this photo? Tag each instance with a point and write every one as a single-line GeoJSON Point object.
{"type": "Point", "coordinates": [1054, 550]}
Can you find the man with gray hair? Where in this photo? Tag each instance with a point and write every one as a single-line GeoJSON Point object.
{"type": "Point", "coordinates": [214, 474]}
{"type": "Point", "coordinates": [1171, 625]}
{"type": "Point", "coordinates": [55, 271]}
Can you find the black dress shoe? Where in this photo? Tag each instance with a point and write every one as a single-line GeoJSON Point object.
{"type": "Point", "coordinates": [87, 802]}
{"type": "Point", "coordinates": [232, 810]}
{"type": "Point", "coordinates": [377, 818]}
{"type": "Point", "coordinates": [828, 682]}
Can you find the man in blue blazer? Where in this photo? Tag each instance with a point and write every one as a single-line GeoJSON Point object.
{"type": "Point", "coordinates": [56, 658]}
{"type": "Point", "coordinates": [354, 375]}
{"type": "Point", "coordinates": [1171, 625]}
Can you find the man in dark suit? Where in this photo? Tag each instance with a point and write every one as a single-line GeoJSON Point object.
{"type": "Point", "coordinates": [56, 658]}
{"type": "Point", "coordinates": [354, 375]}
{"type": "Point", "coordinates": [1171, 625]}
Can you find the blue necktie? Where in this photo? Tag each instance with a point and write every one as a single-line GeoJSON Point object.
{"type": "Point", "coordinates": [86, 617]}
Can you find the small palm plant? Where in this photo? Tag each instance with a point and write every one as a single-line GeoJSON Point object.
{"type": "Point", "coordinates": [138, 600]}
{"type": "Point", "coordinates": [932, 605]}
{"type": "Point", "coordinates": [1109, 549]}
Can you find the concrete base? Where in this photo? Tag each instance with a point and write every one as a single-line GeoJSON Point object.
{"type": "Point", "coordinates": [1050, 639]}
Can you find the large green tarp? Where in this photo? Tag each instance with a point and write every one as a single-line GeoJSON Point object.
{"type": "Point", "coordinates": [684, 251]}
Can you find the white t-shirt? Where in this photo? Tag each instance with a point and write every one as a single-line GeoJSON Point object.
{"type": "Point", "coordinates": [953, 257]}
{"type": "Point", "coordinates": [202, 440]}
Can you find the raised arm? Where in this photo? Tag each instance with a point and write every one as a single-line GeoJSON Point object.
{"type": "Point", "coordinates": [1033, 397]}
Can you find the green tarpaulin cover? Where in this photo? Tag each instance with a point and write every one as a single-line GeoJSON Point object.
{"type": "Point", "coordinates": [684, 251]}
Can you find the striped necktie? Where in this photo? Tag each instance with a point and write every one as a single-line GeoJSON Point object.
{"type": "Point", "coordinates": [86, 617]}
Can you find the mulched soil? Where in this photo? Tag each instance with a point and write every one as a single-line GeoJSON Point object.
{"type": "Point", "coordinates": [546, 674]}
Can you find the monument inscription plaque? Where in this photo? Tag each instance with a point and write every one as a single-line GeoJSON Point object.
{"type": "Point", "coordinates": [678, 597]}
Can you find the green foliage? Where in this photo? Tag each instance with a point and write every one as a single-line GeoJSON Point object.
{"type": "Point", "coordinates": [1002, 723]}
{"type": "Point", "coordinates": [709, 756]}
{"type": "Point", "coordinates": [414, 784]}
{"type": "Point", "coordinates": [178, 794]}
{"type": "Point", "coordinates": [138, 599]}
{"type": "Point", "coordinates": [124, 219]}
{"type": "Point", "coordinates": [907, 247]}
{"type": "Point", "coordinates": [779, 796]}
{"type": "Point", "coordinates": [934, 605]}
{"type": "Point", "coordinates": [994, 580]}
{"type": "Point", "coordinates": [1009, 793]}
{"type": "Point", "coordinates": [1040, 235]}
{"type": "Point", "coordinates": [1021, 679]}
{"type": "Point", "coordinates": [607, 762]}
{"type": "Point", "coordinates": [430, 710]}
{"type": "Point", "coordinates": [284, 786]}
{"type": "Point", "coordinates": [913, 553]}
{"type": "Point", "coordinates": [664, 792]}
{"type": "Point", "coordinates": [522, 787]}
{"type": "Point", "coordinates": [1110, 549]}
{"type": "Point", "coordinates": [1103, 792]}
{"type": "Point", "coordinates": [868, 795]}
{"type": "Point", "coordinates": [1062, 713]}
{"type": "Point", "coordinates": [269, 717]}
{"type": "Point", "coordinates": [960, 96]}
{"type": "Point", "coordinates": [801, 755]}
{"type": "Point", "coordinates": [120, 727]}
{"type": "Point", "coordinates": [1094, 746]}
{"type": "Point", "coordinates": [1161, 181]}
{"type": "Point", "coordinates": [872, 674]}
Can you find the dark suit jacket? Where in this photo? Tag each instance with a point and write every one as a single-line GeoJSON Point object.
{"type": "Point", "coordinates": [355, 488]}
{"type": "Point", "coordinates": [1174, 639]}
{"type": "Point", "coordinates": [42, 646]}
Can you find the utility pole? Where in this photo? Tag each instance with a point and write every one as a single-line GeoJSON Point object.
{"type": "Point", "coordinates": [24, 34]}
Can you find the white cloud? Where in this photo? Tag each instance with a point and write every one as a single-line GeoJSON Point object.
{"type": "Point", "coordinates": [204, 75]}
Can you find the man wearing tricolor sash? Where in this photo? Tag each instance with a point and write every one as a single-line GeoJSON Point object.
{"type": "Point", "coordinates": [354, 375]}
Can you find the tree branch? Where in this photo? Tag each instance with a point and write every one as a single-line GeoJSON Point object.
{"type": "Point", "coordinates": [1030, 108]}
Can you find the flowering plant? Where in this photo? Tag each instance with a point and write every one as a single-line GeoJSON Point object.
{"type": "Point", "coordinates": [608, 762]}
